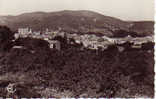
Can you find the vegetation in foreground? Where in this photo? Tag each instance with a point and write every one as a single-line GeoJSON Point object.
{"type": "Point", "coordinates": [38, 71]}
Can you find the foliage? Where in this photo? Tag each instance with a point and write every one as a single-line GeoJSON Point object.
{"type": "Point", "coordinates": [86, 73]}
{"type": "Point", "coordinates": [6, 37]}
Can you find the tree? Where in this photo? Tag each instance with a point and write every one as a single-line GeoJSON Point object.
{"type": "Point", "coordinates": [148, 46]}
{"type": "Point", "coordinates": [120, 33]}
{"type": "Point", "coordinates": [6, 37]}
{"type": "Point", "coordinates": [63, 41]}
{"type": "Point", "coordinates": [32, 44]}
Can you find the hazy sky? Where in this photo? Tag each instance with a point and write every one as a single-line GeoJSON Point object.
{"type": "Point", "coordinates": [123, 9]}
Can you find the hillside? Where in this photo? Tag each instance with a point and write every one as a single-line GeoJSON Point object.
{"type": "Point", "coordinates": [143, 27]}
{"type": "Point", "coordinates": [72, 21]}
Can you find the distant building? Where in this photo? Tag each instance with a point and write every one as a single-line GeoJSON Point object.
{"type": "Point", "coordinates": [16, 35]}
{"type": "Point", "coordinates": [128, 38]}
{"type": "Point", "coordinates": [62, 34]}
{"type": "Point", "coordinates": [55, 44]}
{"type": "Point", "coordinates": [18, 47]}
{"type": "Point", "coordinates": [137, 45]}
{"type": "Point", "coordinates": [37, 33]}
{"type": "Point", "coordinates": [46, 39]}
{"type": "Point", "coordinates": [78, 41]}
{"type": "Point", "coordinates": [24, 32]}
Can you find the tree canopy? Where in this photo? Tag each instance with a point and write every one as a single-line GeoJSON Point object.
{"type": "Point", "coordinates": [6, 37]}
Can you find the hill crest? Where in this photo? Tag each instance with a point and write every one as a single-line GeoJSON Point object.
{"type": "Point", "coordinates": [71, 21]}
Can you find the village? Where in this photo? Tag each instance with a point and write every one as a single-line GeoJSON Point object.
{"type": "Point", "coordinates": [89, 41]}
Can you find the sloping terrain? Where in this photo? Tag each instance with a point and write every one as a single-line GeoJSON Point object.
{"type": "Point", "coordinates": [143, 27]}
{"type": "Point", "coordinates": [71, 21]}
{"type": "Point", "coordinates": [76, 21]}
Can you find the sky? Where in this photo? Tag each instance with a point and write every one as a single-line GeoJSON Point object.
{"type": "Point", "coordinates": [134, 10]}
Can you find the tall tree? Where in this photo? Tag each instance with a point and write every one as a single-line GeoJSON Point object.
{"type": "Point", "coordinates": [6, 37]}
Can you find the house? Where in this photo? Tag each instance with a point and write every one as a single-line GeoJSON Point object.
{"type": "Point", "coordinates": [16, 35]}
{"type": "Point", "coordinates": [24, 32]}
{"type": "Point", "coordinates": [137, 45]}
{"type": "Point", "coordinates": [37, 33]}
{"type": "Point", "coordinates": [62, 34]}
{"type": "Point", "coordinates": [46, 39]}
{"type": "Point", "coordinates": [124, 46]}
{"type": "Point", "coordinates": [128, 38]}
{"type": "Point", "coordinates": [111, 40]}
{"type": "Point", "coordinates": [55, 44]}
{"type": "Point", "coordinates": [78, 41]}
{"type": "Point", "coordinates": [18, 47]}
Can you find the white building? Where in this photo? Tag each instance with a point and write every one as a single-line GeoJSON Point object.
{"type": "Point", "coordinates": [16, 35]}
{"type": "Point", "coordinates": [137, 45]}
{"type": "Point", "coordinates": [55, 44]}
{"type": "Point", "coordinates": [24, 32]}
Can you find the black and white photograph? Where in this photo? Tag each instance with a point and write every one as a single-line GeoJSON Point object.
{"type": "Point", "coordinates": [77, 49]}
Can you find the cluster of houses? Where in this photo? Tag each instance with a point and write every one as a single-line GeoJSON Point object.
{"type": "Point", "coordinates": [95, 42]}
{"type": "Point", "coordinates": [90, 41]}
{"type": "Point", "coordinates": [45, 35]}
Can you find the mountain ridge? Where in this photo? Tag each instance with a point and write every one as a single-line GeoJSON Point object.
{"type": "Point", "coordinates": [83, 21]}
